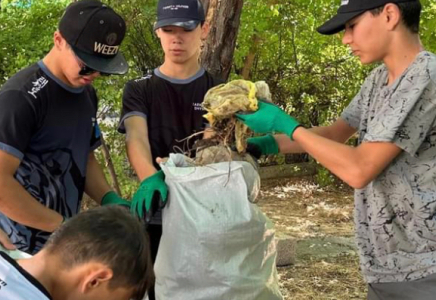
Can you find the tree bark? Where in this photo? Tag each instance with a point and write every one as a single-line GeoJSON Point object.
{"type": "Point", "coordinates": [249, 60]}
{"type": "Point", "coordinates": [224, 19]}
{"type": "Point", "coordinates": [205, 5]}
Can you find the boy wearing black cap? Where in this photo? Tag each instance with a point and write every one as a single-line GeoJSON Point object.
{"type": "Point", "coordinates": [394, 167]}
{"type": "Point", "coordinates": [100, 254]}
{"type": "Point", "coordinates": [163, 108]}
{"type": "Point", "coordinates": [48, 127]}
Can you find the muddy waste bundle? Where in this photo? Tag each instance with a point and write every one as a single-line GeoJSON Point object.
{"type": "Point", "coordinates": [230, 140]}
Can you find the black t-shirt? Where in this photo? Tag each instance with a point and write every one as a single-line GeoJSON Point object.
{"type": "Point", "coordinates": [51, 128]}
{"type": "Point", "coordinates": [172, 108]}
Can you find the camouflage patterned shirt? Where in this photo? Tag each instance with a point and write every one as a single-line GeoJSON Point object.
{"type": "Point", "coordinates": [395, 215]}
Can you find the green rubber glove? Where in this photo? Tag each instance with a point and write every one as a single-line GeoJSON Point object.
{"type": "Point", "coordinates": [266, 144]}
{"type": "Point", "coordinates": [269, 118]}
{"type": "Point", "coordinates": [151, 194]}
{"type": "Point", "coordinates": [112, 198]}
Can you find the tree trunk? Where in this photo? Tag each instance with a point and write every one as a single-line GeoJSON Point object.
{"type": "Point", "coordinates": [224, 19]}
{"type": "Point", "coordinates": [249, 60]}
{"type": "Point", "coordinates": [205, 5]}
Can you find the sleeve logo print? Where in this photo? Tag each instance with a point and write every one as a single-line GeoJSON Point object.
{"type": "Point", "coordinates": [38, 85]}
{"type": "Point", "coordinates": [143, 78]}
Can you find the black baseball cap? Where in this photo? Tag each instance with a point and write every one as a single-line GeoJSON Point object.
{"type": "Point", "coordinates": [95, 32]}
{"type": "Point", "coordinates": [183, 13]}
{"type": "Point", "coordinates": [350, 9]}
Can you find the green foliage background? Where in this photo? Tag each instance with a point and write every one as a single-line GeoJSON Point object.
{"type": "Point", "coordinates": [312, 76]}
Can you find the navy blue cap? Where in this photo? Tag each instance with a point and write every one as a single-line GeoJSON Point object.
{"type": "Point", "coordinates": [183, 13]}
{"type": "Point", "coordinates": [350, 9]}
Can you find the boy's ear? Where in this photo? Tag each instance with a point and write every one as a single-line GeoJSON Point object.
{"type": "Point", "coordinates": [392, 14]}
{"type": "Point", "coordinates": [58, 40]}
{"type": "Point", "coordinates": [205, 30]}
{"type": "Point", "coordinates": [96, 276]}
{"type": "Point", "coordinates": [157, 32]}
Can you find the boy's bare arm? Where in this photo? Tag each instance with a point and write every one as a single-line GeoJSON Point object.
{"type": "Point", "coordinates": [5, 242]}
{"type": "Point", "coordinates": [96, 185]}
{"type": "Point", "coordinates": [17, 204]}
{"type": "Point", "coordinates": [356, 166]}
{"type": "Point", "coordinates": [138, 147]}
{"type": "Point", "coordinates": [339, 131]}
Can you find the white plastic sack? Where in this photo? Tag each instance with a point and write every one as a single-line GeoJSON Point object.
{"type": "Point", "coordinates": [215, 243]}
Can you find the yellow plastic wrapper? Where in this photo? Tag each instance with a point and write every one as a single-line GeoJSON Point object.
{"type": "Point", "coordinates": [224, 101]}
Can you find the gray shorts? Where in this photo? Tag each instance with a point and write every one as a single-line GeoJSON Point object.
{"type": "Point", "coordinates": [422, 289]}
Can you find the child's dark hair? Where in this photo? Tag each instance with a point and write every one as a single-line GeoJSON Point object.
{"type": "Point", "coordinates": [109, 235]}
{"type": "Point", "coordinates": [410, 14]}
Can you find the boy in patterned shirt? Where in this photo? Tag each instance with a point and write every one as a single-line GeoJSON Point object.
{"type": "Point", "coordinates": [393, 169]}
{"type": "Point", "coordinates": [49, 131]}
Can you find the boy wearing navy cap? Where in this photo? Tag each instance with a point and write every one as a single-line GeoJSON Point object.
{"type": "Point", "coordinates": [163, 108]}
{"type": "Point", "coordinates": [48, 127]}
{"type": "Point", "coordinates": [393, 169]}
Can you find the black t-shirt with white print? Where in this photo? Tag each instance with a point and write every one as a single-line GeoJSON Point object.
{"type": "Point", "coordinates": [171, 107]}
{"type": "Point", "coordinates": [51, 128]}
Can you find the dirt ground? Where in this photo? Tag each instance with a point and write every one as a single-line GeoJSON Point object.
{"type": "Point", "coordinates": [320, 219]}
